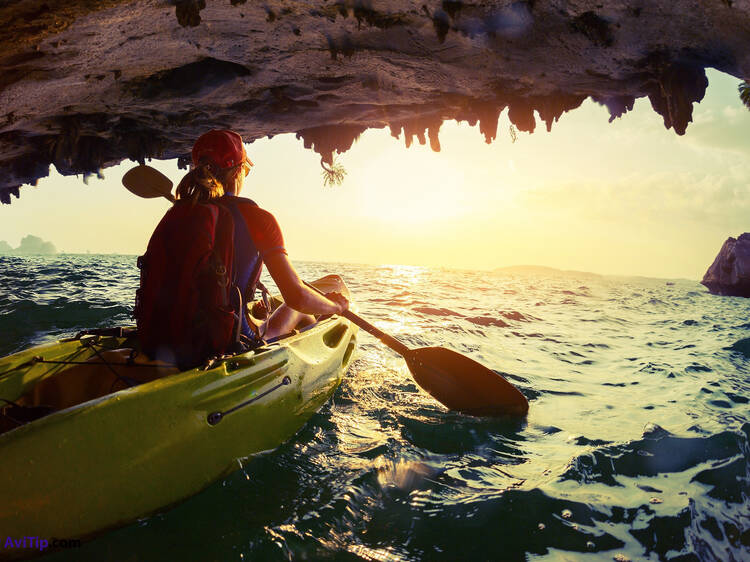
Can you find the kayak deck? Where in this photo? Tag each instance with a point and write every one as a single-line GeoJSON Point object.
{"type": "Point", "coordinates": [125, 452]}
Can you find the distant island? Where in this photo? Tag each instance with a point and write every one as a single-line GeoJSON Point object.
{"type": "Point", "coordinates": [30, 245]}
{"type": "Point", "coordinates": [541, 269]}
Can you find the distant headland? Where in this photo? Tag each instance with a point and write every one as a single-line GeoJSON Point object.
{"type": "Point", "coordinates": [30, 245]}
{"type": "Point", "coordinates": [540, 270]}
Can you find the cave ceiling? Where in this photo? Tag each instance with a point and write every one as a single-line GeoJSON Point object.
{"type": "Point", "coordinates": [86, 84]}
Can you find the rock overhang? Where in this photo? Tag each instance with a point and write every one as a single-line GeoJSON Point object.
{"type": "Point", "coordinates": [87, 84]}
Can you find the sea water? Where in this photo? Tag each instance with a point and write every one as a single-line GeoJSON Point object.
{"type": "Point", "coordinates": [635, 446]}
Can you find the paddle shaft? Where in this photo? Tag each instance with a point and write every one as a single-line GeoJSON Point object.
{"type": "Point", "coordinates": [387, 339]}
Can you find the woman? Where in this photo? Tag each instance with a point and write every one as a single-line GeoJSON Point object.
{"type": "Point", "coordinates": [220, 165]}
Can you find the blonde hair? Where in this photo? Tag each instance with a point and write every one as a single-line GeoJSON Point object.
{"type": "Point", "coordinates": [206, 181]}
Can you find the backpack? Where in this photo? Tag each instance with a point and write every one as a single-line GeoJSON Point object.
{"type": "Point", "coordinates": [182, 309]}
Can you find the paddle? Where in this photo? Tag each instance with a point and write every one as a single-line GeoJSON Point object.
{"type": "Point", "coordinates": [145, 181]}
{"type": "Point", "coordinates": [453, 379]}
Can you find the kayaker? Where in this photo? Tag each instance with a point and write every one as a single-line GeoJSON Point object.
{"type": "Point", "coordinates": [220, 165]}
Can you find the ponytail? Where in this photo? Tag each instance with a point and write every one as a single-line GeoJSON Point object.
{"type": "Point", "coordinates": [199, 185]}
{"type": "Point", "coordinates": [206, 181]}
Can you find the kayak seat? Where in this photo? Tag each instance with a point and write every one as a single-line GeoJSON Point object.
{"type": "Point", "coordinates": [80, 383]}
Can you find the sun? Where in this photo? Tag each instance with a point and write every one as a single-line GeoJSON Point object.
{"type": "Point", "coordinates": [420, 188]}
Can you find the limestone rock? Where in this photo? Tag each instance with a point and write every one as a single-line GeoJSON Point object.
{"type": "Point", "coordinates": [85, 84]}
{"type": "Point", "coordinates": [730, 273]}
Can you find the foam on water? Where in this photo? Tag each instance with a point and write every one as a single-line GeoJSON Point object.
{"type": "Point", "coordinates": [636, 444]}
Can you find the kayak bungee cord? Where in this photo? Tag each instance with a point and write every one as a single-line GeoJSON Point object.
{"type": "Point", "coordinates": [119, 332]}
{"type": "Point", "coordinates": [39, 359]}
{"type": "Point", "coordinates": [125, 380]}
{"type": "Point", "coordinates": [215, 417]}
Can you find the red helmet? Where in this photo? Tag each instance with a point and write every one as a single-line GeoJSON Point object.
{"type": "Point", "coordinates": [222, 147]}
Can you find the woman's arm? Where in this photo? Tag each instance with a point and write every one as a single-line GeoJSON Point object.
{"type": "Point", "coordinates": [296, 294]}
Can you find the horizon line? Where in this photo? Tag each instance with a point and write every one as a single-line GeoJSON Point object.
{"type": "Point", "coordinates": [370, 264]}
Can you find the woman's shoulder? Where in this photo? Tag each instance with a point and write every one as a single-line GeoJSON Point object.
{"type": "Point", "coordinates": [235, 200]}
{"type": "Point", "coordinates": [248, 207]}
{"type": "Point", "coordinates": [253, 214]}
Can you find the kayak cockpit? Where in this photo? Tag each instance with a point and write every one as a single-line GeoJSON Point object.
{"type": "Point", "coordinates": [96, 365]}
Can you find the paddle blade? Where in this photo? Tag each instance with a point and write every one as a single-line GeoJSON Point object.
{"type": "Point", "coordinates": [145, 181]}
{"type": "Point", "coordinates": [464, 385]}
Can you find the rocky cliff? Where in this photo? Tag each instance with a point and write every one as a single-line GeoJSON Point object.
{"type": "Point", "coordinates": [730, 273]}
{"type": "Point", "coordinates": [85, 84]}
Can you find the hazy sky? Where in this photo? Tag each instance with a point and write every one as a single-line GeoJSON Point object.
{"type": "Point", "coordinates": [627, 198]}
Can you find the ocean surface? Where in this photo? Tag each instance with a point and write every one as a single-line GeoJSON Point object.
{"type": "Point", "coordinates": [635, 446]}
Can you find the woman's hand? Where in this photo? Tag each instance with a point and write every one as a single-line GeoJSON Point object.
{"type": "Point", "coordinates": [296, 294]}
{"type": "Point", "coordinates": [340, 300]}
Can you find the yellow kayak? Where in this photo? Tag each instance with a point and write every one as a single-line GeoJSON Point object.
{"type": "Point", "coordinates": [103, 453]}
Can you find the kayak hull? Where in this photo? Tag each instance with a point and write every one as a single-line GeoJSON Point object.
{"type": "Point", "coordinates": [122, 456]}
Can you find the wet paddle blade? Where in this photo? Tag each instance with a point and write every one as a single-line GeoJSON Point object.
{"type": "Point", "coordinates": [145, 181]}
{"type": "Point", "coordinates": [464, 385]}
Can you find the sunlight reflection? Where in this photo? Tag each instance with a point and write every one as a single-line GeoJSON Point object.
{"type": "Point", "coordinates": [400, 281]}
{"type": "Point", "coordinates": [401, 276]}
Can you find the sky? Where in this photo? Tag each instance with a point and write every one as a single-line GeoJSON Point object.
{"type": "Point", "coordinates": [626, 198]}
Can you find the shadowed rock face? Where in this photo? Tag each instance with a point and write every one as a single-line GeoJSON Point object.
{"type": "Point", "coordinates": [85, 84]}
{"type": "Point", "coordinates": [730, 273]}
